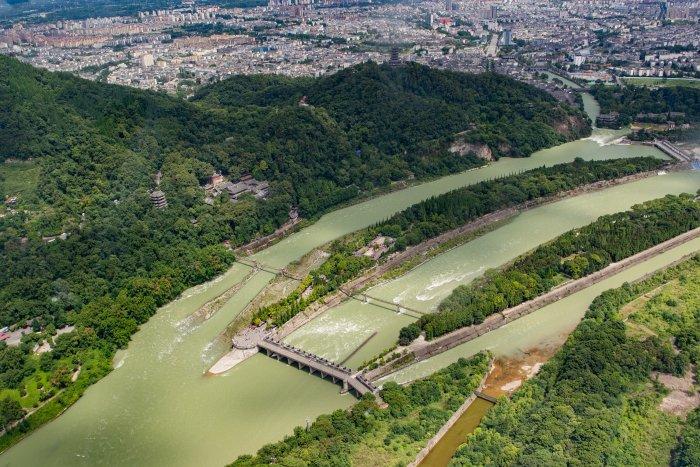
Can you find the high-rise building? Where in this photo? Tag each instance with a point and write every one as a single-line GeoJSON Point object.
{"type": "Point", "coordinates": [493, 13]}
{"type": "Point", "coordinates": [507, 37]}
{"type": "Point", "coordinates": [448, 5]}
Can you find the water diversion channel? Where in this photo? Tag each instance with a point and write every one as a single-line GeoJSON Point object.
{"type": "Point", "coordinates": [157, 407]}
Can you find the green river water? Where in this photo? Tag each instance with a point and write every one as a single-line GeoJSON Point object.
{"type": "Point", "coordinates": [158, 408]}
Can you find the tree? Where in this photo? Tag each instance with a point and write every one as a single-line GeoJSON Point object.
{"type": "Point", "coordinates": [10, 411]}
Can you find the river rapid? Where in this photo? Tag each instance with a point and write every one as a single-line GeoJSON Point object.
{"type": "Point", "coordinates": [158, 408]}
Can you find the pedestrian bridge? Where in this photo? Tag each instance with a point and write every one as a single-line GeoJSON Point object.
{"type": "Point", "coordinates": [314, 364]}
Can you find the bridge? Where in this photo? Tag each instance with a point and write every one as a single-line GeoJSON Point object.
{"type": "Point", "coordinates": [339, 374]}
{"type": "Point", "coordinates": [671, 150]}
{"type": "Point", "coordinates": [365, 298]}
{"type": "Point", "coordinates": [261, 267]}
{"type": "Point", "coordinates": [486, 397]}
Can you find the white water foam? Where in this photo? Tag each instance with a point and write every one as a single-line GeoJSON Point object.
{"type": "Point", "coordinates": [121, 361]}
{"type": "Point", "coordinates": [442, 280]}
{"type": "Point", "coordinates": [602, 139]}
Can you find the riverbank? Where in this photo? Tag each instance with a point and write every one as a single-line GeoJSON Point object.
{"type": "Point", "coordinates": [121, 430]}
{"type": "Point", "coordinates": [422, 349]}
{"type": "Point", "coordinates": [423, 454]}
{"type": "Point", "coordinates": [397, 260]}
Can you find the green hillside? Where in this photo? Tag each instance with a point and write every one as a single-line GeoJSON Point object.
{"type": "Point", "coordinates": [397, 110]}
{"type": "Point", "coordinates": [78, 159]}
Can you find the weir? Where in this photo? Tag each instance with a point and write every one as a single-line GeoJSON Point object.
{"type": "Point", "coordinates": [314, 364]}
{"type": "Point", "coordinates": [486, 397]}
{"type": "Point", "coordinates": [365, 298]}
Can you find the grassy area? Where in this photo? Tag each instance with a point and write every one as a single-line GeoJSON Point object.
{"type": "Point", "coordinates": [94, 365]}
{"type": "Point", "coordinates": [18, 178]}
{"type": "Point", "coordinates": [41, 385]}
{"type": "Point", "coordinates": [663, 82]}
{"type": "Point", "coordinates": [667, 310]}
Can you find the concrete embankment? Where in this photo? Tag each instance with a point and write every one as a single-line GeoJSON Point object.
{"type": "Point", "coordinates": [266, 241]}
{"type": "Point", "coordinates": [422, 349]}
{"type": "Point", "coordinates": [399, 258]}
{"type": "Point", "coordinates": [450, 423]}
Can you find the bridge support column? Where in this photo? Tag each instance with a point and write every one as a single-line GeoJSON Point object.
{"type": "Point", "coordinates": [345, 387]}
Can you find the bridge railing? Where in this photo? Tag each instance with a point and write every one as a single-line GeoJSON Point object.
{"type": "Point", "coordinates": [275, 345]}
{"type": "Point", "coordinates": [309, 355]}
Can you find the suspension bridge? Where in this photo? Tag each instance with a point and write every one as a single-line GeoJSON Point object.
{"type": "Point", "coordinates": [362, 297]}
{"type": "Point", "coordinates": [262, 267]}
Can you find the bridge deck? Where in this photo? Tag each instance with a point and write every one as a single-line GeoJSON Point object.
{"type": "Point", "coordinates": [314, 363]}
{"type": "Point", "coordinates": [672, 150]}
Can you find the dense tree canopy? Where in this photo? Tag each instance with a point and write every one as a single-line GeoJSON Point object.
{"type": "Point", "coordinates": [594, 402]}
{"type": "Point", "coordinates": [97, 148]}
{"type": "Point", "coordinates": [631, 100]}
{"type": "Point", "coordinates": [81, 243]}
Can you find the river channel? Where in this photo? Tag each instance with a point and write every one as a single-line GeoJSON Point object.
{"type": "Point", "coordinates": [157, 407]}
{"type": "Point", "coordinates": [337, 333]}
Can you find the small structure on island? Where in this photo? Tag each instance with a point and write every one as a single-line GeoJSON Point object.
{"type": "Point", "coordinates": [376, 248]}
{"type": "Point", "coordinates": [158, 199]}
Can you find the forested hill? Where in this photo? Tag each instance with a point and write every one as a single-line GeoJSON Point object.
{"type": "Point", "coordinates": [399, 109]}
{"type": "Point", "coordinates": [365, 127]}
{"type": "Point", "coordinates": [78, 158]}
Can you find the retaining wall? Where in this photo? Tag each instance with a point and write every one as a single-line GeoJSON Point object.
{"type": "Point", "coordinates": [459, 336]}
{"type": "Point", "coordinates": [453, 419]}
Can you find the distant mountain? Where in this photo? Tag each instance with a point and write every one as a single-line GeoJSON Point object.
{"type": "Point", "coordinates": [364, 126]}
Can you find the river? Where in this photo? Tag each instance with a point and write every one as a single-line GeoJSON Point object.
{"type": "Point", "coordinates": [157, 407]}
{"type": "Point", "coordinates": [441, 454]}
{"type": "Point", "coordinates": [423, 288]}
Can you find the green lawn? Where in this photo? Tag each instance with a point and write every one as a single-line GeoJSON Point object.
{"type": "Point", "coordinates": [18, 178]}
{"type": "Point", "coordinates": [667, 310]}
{"type": "Point", "coordinates": [35, 388]}
{"type": "Point", "coordinates": [663, 82]}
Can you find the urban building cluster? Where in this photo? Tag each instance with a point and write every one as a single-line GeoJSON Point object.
{"type": "Point", "coordinates": [178, 50]}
